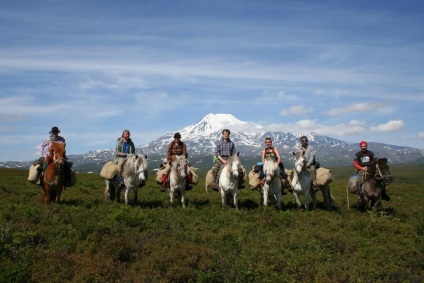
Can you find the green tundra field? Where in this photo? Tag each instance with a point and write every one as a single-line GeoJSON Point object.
{"type": "Point", "coordinates": [86, 239]}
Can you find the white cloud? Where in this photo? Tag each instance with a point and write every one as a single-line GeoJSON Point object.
{"type": "Point", "coordinates": [295, 110]}
{"type": "Point", "coordinates": [351, 108]}
{"type": "Point", "coordinates": [421, 135]}
{"type": "Point", "coordinates": [390, 126]}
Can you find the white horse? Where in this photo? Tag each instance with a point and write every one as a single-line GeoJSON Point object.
{"type": "Point", "coordinates": [134, 174]}
{"type": "Point", "coordinates": [178, 178]}
{"type": "Point", "coordinates": [229, 179]}
{"type": "Point", "coordinates": [302, 181]}
{"type": "Point", "coordinates": [272, 184]}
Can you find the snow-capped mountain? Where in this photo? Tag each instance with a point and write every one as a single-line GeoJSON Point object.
{"type": "Point", "coordinates": [249, 138]}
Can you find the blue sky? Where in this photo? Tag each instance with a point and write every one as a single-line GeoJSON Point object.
{"type": "Point", "coordinates": [351, 70]}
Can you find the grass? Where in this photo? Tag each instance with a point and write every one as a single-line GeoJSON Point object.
{"type": "Point", "coordinates": [86, 239]}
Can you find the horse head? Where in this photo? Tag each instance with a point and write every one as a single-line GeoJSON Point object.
{"type": "Point", "coordinates": [299, 162]}
{"type": "Point", "coordinates": [180, 165]}
{"type": "Point", "coordinates": [270, 170]}
{"type": "Point", "coordinates": [384, 170]}
{"type": "Point", "coordinates": [138, 165]}
{"type": "Point", "coordinates": [56, 152]}
{"type": "Point", "coordinates": [233, 165]}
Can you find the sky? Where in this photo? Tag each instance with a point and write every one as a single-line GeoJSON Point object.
{"type": "Point", "coordinates": [351, 70]}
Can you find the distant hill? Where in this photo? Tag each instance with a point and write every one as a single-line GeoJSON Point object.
{"type": "Point", "coordinates": [249, 139]}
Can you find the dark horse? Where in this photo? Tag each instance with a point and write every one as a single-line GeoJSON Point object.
{"type": "Point", "coordinates": [54, 174]}
{"type": "Point", "coordinates": [376, 177]}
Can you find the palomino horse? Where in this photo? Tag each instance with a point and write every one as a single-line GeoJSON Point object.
{"type": "Point", "coordinates": [134, 174]}
{"type": "Point", "coordinates": [54, 174]}
{"type": "Point", "coordinates": [272, 186]}
{"type": "Point", "coordinates": [178, 178]}
{"type": "Point", "coordinates": [301, 182]}
{"type": "Point", "coordinates": [229, 179]}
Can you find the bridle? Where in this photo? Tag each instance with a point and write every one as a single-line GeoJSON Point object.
{"type": "Point", "coordinates": [272, 173]}
{"type": "Point", "coordinates": [58, 162]}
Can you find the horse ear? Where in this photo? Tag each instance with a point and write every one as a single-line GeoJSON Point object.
{"type": "Point", "coordinates": [145, 156]}
{"type": "Point", "coordinates": [294, 153]}
{"type": "Point", "coordinates": [238, 153]}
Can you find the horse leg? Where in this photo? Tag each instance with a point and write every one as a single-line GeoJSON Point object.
{"type": "Point", "coordinates": [53, 195]}
{"type": "Point", "coordinates": [235, 198]}
{"type": "Point", "coordinates": [307, 200]}
{"type": "Point", "coordinates": [46, 199]}
{"type": "Point", "coordinates": [299, 204]}
{"type": "Point", "coordinates": [223, 195]}
{"type": "Point", "coordinates": [278, 198]}
{"type": "Point", "coordinates": [171, 195]}
{"type": "Point", "coordinates": [314, 199]}
{"type": "Point", "coordinates": [58, 194]}
{"type": "Point", "coordinates": [265, 191]}
{"type": "Point", "coordinates": [107, 190]}
{"type": "Point", "coordinates": [182, 197]}
{"type": "Point", "coordinates": [127, 194]}
{"type": "Point", "coordinates": [327, 197]}
{"type": "Point", "coordinates": [136, 194]}
{"type": "Point", "coordinates": [118, 193]}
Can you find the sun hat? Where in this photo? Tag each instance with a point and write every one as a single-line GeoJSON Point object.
{"type": "Point", "coordinates": [55, 130]}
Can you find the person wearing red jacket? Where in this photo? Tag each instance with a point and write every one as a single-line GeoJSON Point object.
{"type": "Point", "coordinates": [363, 158]}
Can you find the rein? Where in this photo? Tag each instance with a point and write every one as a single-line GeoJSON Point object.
{"type": "Point", "coordinates": [178, 169]}
{"type": "Point", "coordinates": [382, 176]}
{"type": "Point", "coordinates": [230, 168]}
{"type": "Point", "coordinates": [58, 162]}
{"type": "Point", "coordinates": [274, 173]}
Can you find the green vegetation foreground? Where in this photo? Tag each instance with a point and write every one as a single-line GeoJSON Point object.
{"type": "Point", "coordinates": [86, 239]}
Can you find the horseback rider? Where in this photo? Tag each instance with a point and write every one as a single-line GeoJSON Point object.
{"type": "Point", "coordinates": [363, 158]}
{"type": "Point", "coordinates": [44, 149]}
{"type": "Point", "coordinates": [176, 147]}
{"type": "Point", "coordinates": [271, 153]}
{"type": "Point", "coordinates": [124, 146]}
{"type": "Point", "coordinates": [224, 149]}
{"type": "Point", "coordinates": [308, 152]}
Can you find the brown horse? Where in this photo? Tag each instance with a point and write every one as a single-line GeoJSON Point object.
{"type": "Point", "coordinates": [376, 177]}
{"type": "Point", "coordinates": [54, 174]}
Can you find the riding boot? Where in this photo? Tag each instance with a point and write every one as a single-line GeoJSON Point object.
{"type": "Point", "coordinates": [120, 181]}
{"type": "Point", "coordinates": [189, 180]}
{"type": "Point", "coordinates": [40, 180]}
{"type": "Point", "coordinates": [241, 185]}
{"type": "Point", "coordinates": [163, 186]}
{"type": "Point", "coordinates": [215, 186]}
{"type": "Point", "coordinates": [188, 187]}
{"type": "Point", "coordinates": [384, 195]}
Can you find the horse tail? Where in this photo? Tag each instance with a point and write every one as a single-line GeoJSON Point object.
{"type": "Point", "coordinates": [347, 196]}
